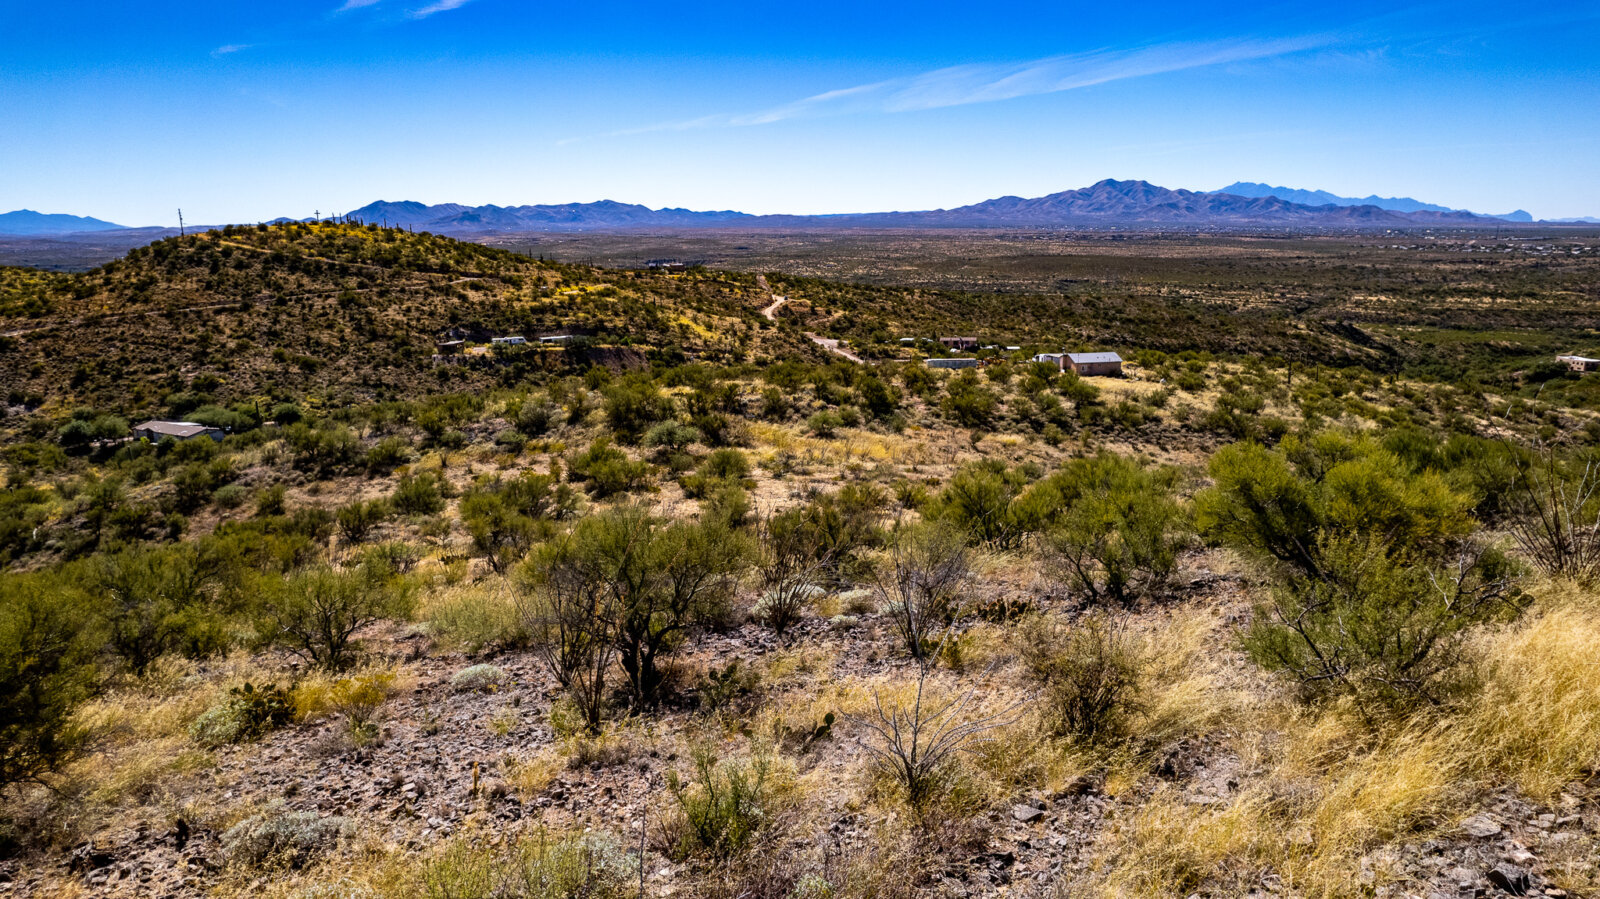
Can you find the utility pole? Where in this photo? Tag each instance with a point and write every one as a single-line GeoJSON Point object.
{"type": "Point", "coordinates": [318, 214]}
{"type": "Point", "coordinates": [180, 223]}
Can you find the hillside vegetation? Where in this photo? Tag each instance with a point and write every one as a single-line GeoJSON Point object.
{"type": "Point", "coordinates": [692, 607]}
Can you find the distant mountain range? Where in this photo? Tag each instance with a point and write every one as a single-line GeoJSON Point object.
{"type": "Point", "coordinates": [1108, 203]}
{"type": "Point", "coordinates": [1323, 198]}
{"type": "Point", "coordinates": [454, 217]}
{"type": "Point", "coordinates": [26, 221]}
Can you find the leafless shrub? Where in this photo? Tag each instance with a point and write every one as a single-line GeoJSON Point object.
{"type": "Point", "coordinates": [1558, 525]}
{"type": "Point", "coordinates": [916, 744]}
{"type": "Point", "coordinates": [921, 585]}
{"type": "Point", "coordinates": [794, 565]}
{"type": "Point", "coordinates": [570, 622]}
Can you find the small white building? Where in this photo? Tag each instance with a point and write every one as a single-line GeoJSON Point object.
{"type": "Point", "coordinates": [508, 341]}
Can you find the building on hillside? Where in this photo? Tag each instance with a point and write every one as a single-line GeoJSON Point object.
{"type": "Point", "coordinates": [559, 338]}
{"type": "Point", "coordinates": [508, 341]}
{"type": "Point", "coordinates": [960, 343]}
{"type": "Point", "coordinates": [1095, 363]}
{"type": "Point", "coordinates": [1059, 360]}
{"type": "Point", "coordinates": [449, 347]}
{"type": "Point", "coordinates": [953, 362]}
{"type": "Point", "coordinates": [156, 431]}
{"type": "Point", "coordinates": [1580, 363]}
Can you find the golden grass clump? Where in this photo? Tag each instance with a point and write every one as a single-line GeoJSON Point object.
{"type": "Point", "coordinates": [1313, 821]}
{"type": "Point", "coordinates": [1537, 719]}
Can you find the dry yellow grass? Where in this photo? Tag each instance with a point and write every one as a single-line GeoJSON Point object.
{"type": "Point", "coordinates": [1537, 721]}
{"type": "Point", "coordinates": [1336, 800]}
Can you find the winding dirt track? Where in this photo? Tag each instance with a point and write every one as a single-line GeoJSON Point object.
{"type": "Point", "coordinates": [827, 343]}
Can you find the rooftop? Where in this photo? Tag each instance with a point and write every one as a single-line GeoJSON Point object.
{"type": "Point", "coordinates": [174, 428]}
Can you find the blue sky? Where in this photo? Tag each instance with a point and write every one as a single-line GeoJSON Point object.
{"type": "Point", "coordinates": [241, 111]}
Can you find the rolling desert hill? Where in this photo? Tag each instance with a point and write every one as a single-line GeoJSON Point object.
{"type": "Point", "coordinates": [347, 312]}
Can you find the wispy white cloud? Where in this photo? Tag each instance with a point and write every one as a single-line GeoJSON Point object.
{"type": "Point", "coordinates": [356, 4]}
{"type": "Point", "coordinates": [226, 49]}
{"type": "Point", "coordinates": [438, 6]}
{"type": "Point", "coordinates": [991, 82]}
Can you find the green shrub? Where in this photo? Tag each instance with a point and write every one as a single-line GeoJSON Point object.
{"type": "Point", "coordinates": [358, 519]}
{"type": "Point", "coordinates": [607, 471]}
{"type": "Point", "coordinates": [981, 500]}
{"type": "Point", "coordinates": [322, 451]}
{"type": "Point", "coordinates": [636, 582]}
{"type": "Point", "coordinates": [270, 501]}
{"type": "Point", "coordinates": [47, 669]}
{"type": "Point", "coordinates": [1121, 530]}
{"type": "Point", "coordinates": [535, 417]}
{"type": "Point", "coordinates": [633, 405]}
{"type": "Point", "coordinates": [316, 613]}
{"type": "Point", "coordinates": [1276, 503]}
{"type": "Point", "coordinates": [154, 601]}
{"type": "Point", "coordinates": [722, 809]}
{"type": "Point", "coordinates": [726, 464]}
{"type": "Point", "coordinates": [422, 494]}
{"type": "Point", "coordinates": [969, 403]}
{"type": "Point", "coordinates": [388, 454]}
{"type": "Point", "coordinates": [824, 424]}
{"type": "Point", "coordinates": [231, 496]}
{"type": "Point", "coordinates": [670, 438]}
{"type": "Point", "coordinates": [1386, 630]}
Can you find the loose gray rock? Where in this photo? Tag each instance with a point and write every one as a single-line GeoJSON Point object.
{"type": "Point", "coordinates": [1512, 879]}
{"type": "Point", "coordinates": [1027, 814]}
{"type": "Point", "coordinates": [1481, 826]}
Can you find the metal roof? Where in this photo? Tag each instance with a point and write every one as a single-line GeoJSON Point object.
{"type": "Point", "coordinates": [1088, 358]}
{"type": "Point", "coordinates": [174, 428]}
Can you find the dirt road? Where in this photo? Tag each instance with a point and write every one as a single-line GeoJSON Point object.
{"type": "Point", "coordinates": [827, 343]}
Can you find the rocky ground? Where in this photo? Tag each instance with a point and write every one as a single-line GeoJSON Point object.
{"type": "Point", "coordinates": [448, 761]}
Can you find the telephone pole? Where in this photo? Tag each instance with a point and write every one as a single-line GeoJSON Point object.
{"type": "Point", "coordinates": [180, 223]}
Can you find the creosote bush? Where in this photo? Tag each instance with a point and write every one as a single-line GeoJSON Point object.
{"type": "Point", "coordinates": [1387, 633]}
{"type": "Point", "coordinates": [316, 613]}
{"type": "Point", "coordinates": [47, 669]}
{"type": "Point", "coordinates": [722, 809]}
{"type": "Point", "coordinates": [922, 583]}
